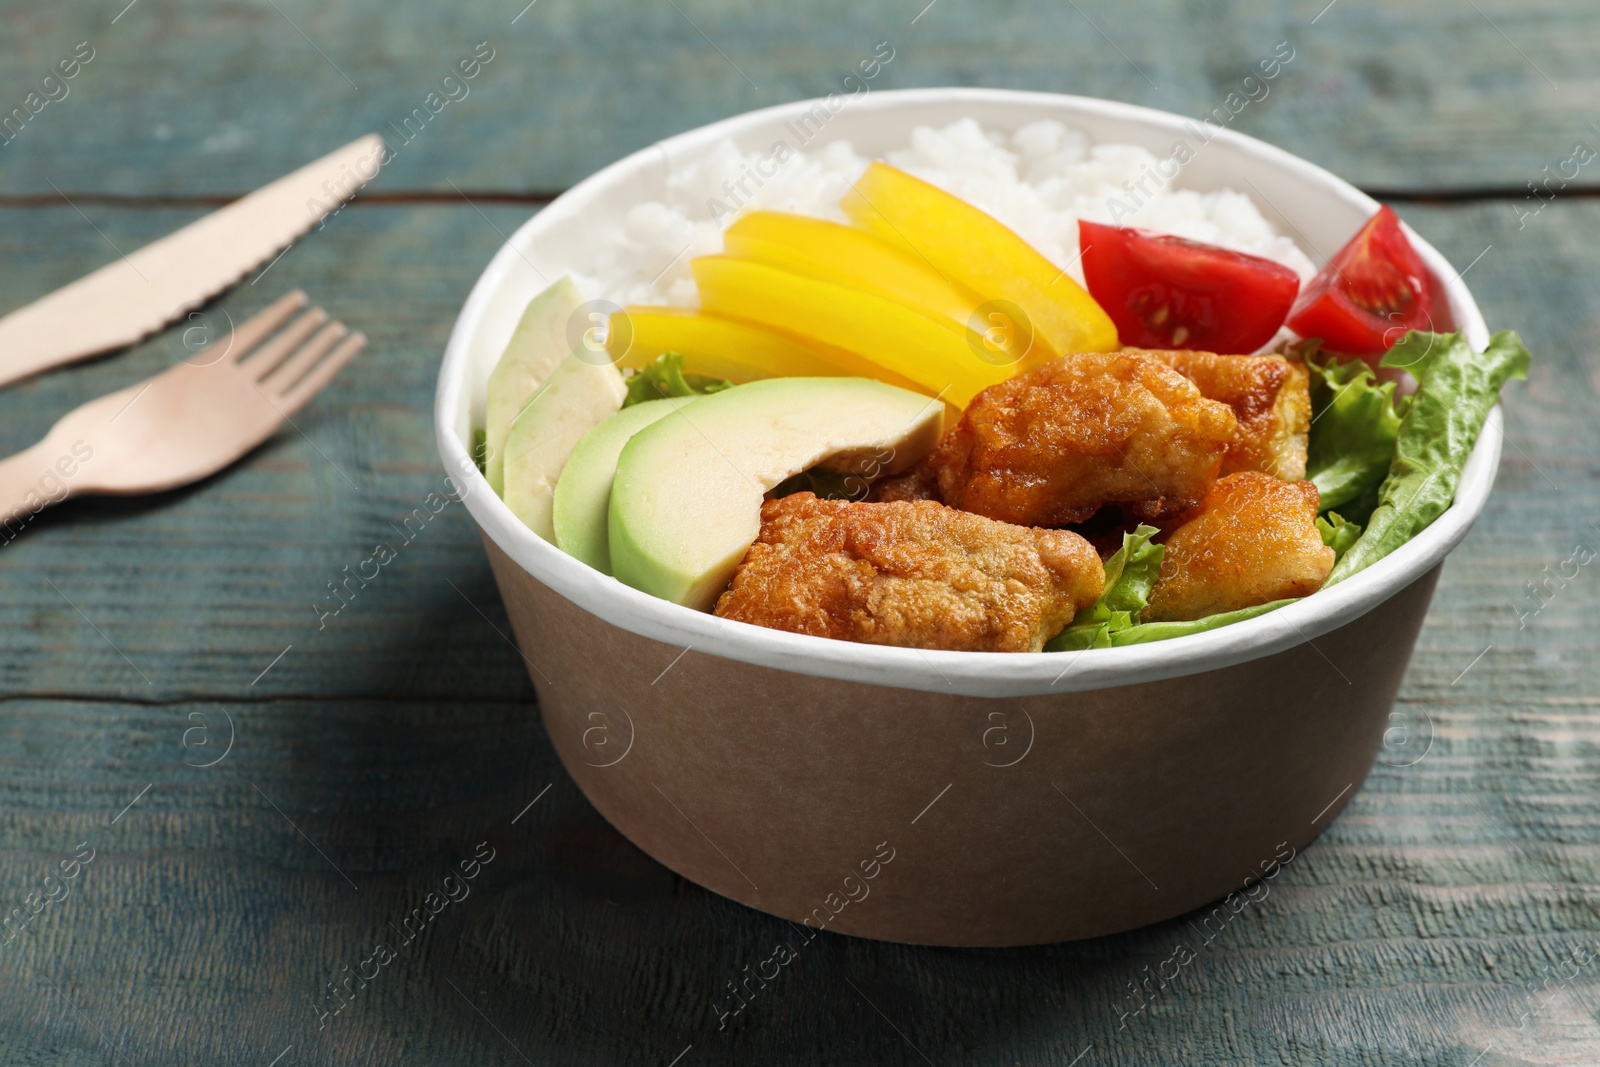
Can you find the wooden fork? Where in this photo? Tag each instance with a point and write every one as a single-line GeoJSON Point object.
{"type": "Point", "coordinates": [189, 421]}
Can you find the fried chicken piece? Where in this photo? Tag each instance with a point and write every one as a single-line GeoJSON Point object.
{"type": "Point", "coordinates": [1269, 395]}
{"type": "Point", "coordinates": [1052, 446]}
{"type": "Point", "coordinates": [910, 573]}
{"type": "Point", "coordinates": [919, 483]}
{"type": "Point", "coordinates": [1252, 541]}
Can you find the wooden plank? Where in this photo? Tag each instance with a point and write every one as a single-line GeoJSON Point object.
{"type": "Point", "coordinates": [217, 906]}
{"type": "Point", "coordinates": [1429, 924]}
{"type": "Point", "coordinates": [200, 590]}
{"type": "Point", "coordinates": [221, 578]}
{"type": "Point", "coordinates": [183, 100]}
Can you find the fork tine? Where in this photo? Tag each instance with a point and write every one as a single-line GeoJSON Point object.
{"type": "Point", "coordinates": [320, 375]}
{"type": "Point", "coordinates": [265, 359]}
{"type": "Point", "coordinates": [259, 326]}
{"type": "Point", "coordinates": [291, 370]}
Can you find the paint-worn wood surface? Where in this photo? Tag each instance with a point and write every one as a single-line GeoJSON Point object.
{"type": "Point", "coordinates": [1446, 918]}
{"type": "Point", "coordinates": [185, 98]}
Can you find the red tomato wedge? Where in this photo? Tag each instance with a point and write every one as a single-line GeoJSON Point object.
{"type": "Point", "coordinates": [1170, 292]}
{"type": "Point", "coordinates": [1370, 294]}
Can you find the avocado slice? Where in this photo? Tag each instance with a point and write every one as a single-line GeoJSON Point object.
{"type": "Point", "coordinates": [578, 396]}
{"type": "Point", "coordinates": [536, 348]}
{"type": "Point", "coordinates": [686, 500]}
{"type": "Point", "coordinates": [583, 495]}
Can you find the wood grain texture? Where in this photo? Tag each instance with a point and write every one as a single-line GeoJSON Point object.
{"type": "Point", "coordinates": [1398, 94]}
{"type": "Point", "coordinates": [1430, 925]}
{"type": "Point", "coordinates": [202, 588]}
{"type": "Point", "coordinates": [202, 615]}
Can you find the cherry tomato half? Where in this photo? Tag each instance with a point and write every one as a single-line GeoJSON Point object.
{"type": "Point", "coordinates": [1370, 294]}
{"type": "Point", "coordinates": [1169, 292]}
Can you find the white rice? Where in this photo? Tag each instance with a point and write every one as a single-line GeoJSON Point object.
{"type": "Point", "coordinates": [1039, 181]}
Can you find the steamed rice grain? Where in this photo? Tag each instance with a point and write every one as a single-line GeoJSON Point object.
{"type": "Point", "coordinates": [1039, 181]}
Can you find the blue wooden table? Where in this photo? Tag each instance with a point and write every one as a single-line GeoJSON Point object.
{"type": "Point", "coordinates": [252, 799]}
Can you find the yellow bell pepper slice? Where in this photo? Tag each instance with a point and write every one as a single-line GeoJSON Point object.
{"type": "Point", "coordinates": [712, 345]}
{"type": "Point", "coordinates": [905, 342]}
{"type": "Point", "coordinates": [721, 347]}
{"type": "Point", "coordinates": [973, 248]}
{"type": "Point", "coordinates": [853, 257]}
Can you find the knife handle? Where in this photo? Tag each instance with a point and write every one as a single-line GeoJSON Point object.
{"type": "Point", "coordinates": [29, 483]}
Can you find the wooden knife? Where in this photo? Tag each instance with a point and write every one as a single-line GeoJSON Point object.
{"type": "Point", "coordinates": [140, 293]}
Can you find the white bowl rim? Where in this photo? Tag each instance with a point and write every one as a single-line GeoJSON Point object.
{"type": "Point", "coordinates": [986, 674]}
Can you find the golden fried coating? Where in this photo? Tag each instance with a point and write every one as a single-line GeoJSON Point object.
{"type": "Point", "coordinates": [919, 483]}
{"type": "Point", "coordinates": [1054, 445]}
{"type": "Point", "coordinates": [1252, 541]}
{"type": "Point", "coordinates": [910, 573]}
{"type": "Point", "coordinates": [1269, 395]}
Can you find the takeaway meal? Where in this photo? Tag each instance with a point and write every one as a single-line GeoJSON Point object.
{"type": "Point", "coordinates": [990, 393]}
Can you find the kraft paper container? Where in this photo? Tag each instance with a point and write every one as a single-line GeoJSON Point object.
{"type": "Point", "coordinates": [944, 797]}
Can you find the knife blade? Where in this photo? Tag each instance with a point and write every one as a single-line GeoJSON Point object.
{"type": "Point", "coordinates": [140, 293]}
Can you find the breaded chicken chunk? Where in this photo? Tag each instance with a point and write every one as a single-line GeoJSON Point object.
{"type": "Point", "coordinates": [1269, 395]}
{"type": "Point", "coordinates": [1252, 541]}
{"type": "Point", "coordinates": [910, 573]}
{"type": "Point", "coordinates": [919, 483]}
{"type": "Point", "coordinates": [1054, 445]}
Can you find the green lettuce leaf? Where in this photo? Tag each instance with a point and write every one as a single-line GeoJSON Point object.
{"type": "Point", "coordinates": [1131, 573]}
{"type": "Point", "coordinates": [1161, 631]}
{"type": "Point", "coordinates": [1337, 533]}
{"type": "Point", "coordinates": [480, 449]}
{"type": "Point", "coordinates": [826, 484]}
{"type": "Point", "coordinates": [664, 377]}
{"type": "Point", "coordinates": [1354, 422]}
{"type": "Point", "coordinates": [1457, 389]}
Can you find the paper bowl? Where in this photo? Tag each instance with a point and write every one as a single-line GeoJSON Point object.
{"type": "Point", "coordinates": [951, 798]}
